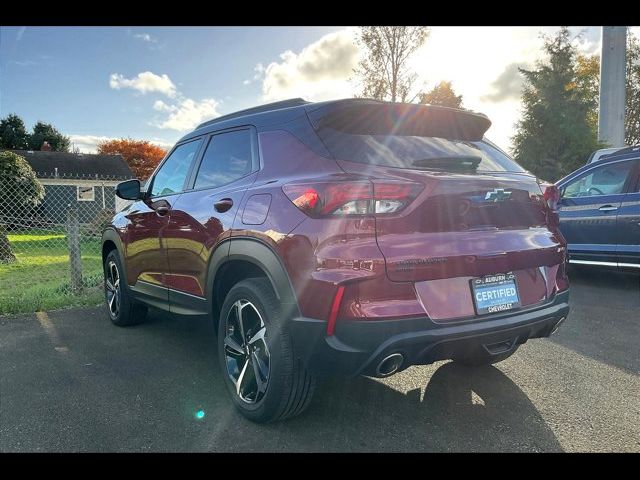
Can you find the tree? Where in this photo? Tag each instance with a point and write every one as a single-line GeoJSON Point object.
{"type": "Point", "coordinates": [632, 113]}
{"type": "Point", "coordinates": [20, 192]}
{"type": "Point", "coordinates": [13, 133]}
{"type": "Point", "coordinates": [588, 73]}
{"type": "Point", "coordinates": [588, 79]}
{"type": "Point", "coordinates": [141, 155]}
{"type": "Point", "coordinates": [14, 136]}
{"type": "Point", "coordinates": [46, 132]}
{"type": "Point", "coordinates": [554, 135]}
{"type": "Point", "coordinates": [383, 71]}
{"type": "Point", "coordinates": [443, 95]}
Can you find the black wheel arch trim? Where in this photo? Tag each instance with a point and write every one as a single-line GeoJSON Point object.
{"type": "Point", "coordinates": [110, 234]}
{"type": "Point", "coordinates": [259, 253]}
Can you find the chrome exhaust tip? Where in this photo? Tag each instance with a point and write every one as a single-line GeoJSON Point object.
{"type": "Point", "coordinates": [389, 365]}
{"type": "Point", "coordinates": [557, 325]}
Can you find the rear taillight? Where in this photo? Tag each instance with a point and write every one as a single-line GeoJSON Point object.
{"type": "Point", "coordinates": [552, 196]}
{"type": "Point", "coordinates": [354, 197]}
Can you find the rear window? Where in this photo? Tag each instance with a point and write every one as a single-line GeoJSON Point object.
{"type": "Point", "coordinates": [417, 152]}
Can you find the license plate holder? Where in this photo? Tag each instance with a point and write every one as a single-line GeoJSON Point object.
{"type": "Point", "coordinates": [495, 293]}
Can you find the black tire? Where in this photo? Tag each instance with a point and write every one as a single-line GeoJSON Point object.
{"type": "Point", "coordinates": [483, 358]}
{"type": "Point", "coordinates": [289, 386]}
{"type": "Point", "coordinates": [128, 312]}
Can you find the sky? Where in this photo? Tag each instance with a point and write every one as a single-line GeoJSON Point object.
{"type": "Point", "coordinates": [158, 83]}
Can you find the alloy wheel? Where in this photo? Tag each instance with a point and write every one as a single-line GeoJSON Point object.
{"type": "Point", "coordinates": [112, 288]}
{"type": "Point", "coordinates": [246, 352]}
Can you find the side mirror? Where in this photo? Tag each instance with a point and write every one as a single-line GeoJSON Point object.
{"type": "Point", "coordinates": [129, 190]}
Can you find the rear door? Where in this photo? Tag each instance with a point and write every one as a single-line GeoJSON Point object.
{"type": "Point", "coordinates": [589, 209]}
{"type": "Point", "coordinates": [628, 223]}
{"type": "Point", "coordinates": [202, 217]}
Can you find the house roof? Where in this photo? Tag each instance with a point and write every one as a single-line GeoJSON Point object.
{"type": "Point", "coordinates": [76, 165]}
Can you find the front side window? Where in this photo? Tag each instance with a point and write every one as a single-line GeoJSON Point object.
{"type": "Point", "coordinates": [604, 180]}
{"type": "Point", "coordinates": [173, 172]}
{"type": "Point", "coordinates": [226, 159]}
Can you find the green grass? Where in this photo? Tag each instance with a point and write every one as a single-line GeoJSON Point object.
{"type": "Point", "coordinates": [40, 278]}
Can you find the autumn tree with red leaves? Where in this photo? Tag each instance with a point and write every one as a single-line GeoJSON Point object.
{"type": "Point", "coordinates": [141, 155]}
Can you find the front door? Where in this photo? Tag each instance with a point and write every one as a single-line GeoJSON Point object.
{"type": "Point", "coordinates": [203, 216]}
{"type": "Point", "coordinates": [146, 255]}
{"type": "Point", "coordinates": [588, 210]}
{"type": "Point", "coordinates": [628, 224]}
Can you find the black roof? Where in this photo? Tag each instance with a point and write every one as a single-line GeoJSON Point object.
{"type": "Point", "coordinates": [269, 107]}
{"type": "Point", "coordinates": [278, 113]}
{"type": "Point", "coordinates": [74, 165]}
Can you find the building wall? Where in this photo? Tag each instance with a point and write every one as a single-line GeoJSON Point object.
{"type": "Point", "coordinates": [60, 196]}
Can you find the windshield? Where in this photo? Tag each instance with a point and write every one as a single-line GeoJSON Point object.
{"type": "Point", "coordinates": [413, 152]}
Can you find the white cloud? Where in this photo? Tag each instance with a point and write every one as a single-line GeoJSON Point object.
{"type": "Point", "coordinates": [145, 37]}
{"type": "Point", "coordinates": [89, 143]}
{"type": "Point", "coordinates": [160, 106]}
{"type": "Point", "coordinates": [320, 71]}
{"type": "Point", "coordinates": [144, 82]}
{"type": "Point", "coordinates": [183, 113]}
{"type": "Point", "coordinates": [186, 114]}
{"type": "Point", "coordinates": [258, 74]}
{"type": "Point", "coordinates": [481, 62]}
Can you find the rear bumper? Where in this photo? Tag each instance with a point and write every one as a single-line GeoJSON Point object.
{"type": "Point", "coordinates": [358, 346]}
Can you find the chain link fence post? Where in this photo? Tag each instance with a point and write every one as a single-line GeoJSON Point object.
{"type": "Point", "coordinates": [75, 260]}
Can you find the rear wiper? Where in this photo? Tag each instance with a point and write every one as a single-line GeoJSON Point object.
{"type": "Point", "coordinates": [457, 163]}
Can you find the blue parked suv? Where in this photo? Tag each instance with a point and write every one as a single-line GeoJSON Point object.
{"type": "Point", "coordinates": [599, 211]}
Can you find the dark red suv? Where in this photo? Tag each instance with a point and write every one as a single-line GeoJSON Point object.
{"type": "Point", "coordinates": [351, 237]}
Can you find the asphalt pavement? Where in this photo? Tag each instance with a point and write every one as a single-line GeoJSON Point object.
{"type": "Point", "coordinates": [71, 381]}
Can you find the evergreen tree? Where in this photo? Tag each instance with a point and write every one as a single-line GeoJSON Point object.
{"type": "Point", "coordinates": [554, 135]}
{"type": "Point", "coordinates": [46, 132]}
{"type": "Point", "coordinates": [13, 133]}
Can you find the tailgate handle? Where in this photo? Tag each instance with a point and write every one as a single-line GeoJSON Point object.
{"type": "Point", "coordinates": [607, 208]}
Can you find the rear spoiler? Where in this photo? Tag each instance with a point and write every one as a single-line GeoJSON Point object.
{"type": "Point", "coordinates": [372, 117]}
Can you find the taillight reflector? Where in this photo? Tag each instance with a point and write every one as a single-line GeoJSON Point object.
{"type": "Point", "coordinates": [335, 308]}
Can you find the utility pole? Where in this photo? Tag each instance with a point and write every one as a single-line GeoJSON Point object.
{"type": "Point", "coordinates": [612, 86]}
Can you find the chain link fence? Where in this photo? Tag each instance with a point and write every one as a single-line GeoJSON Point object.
{"type": "Point", "coordinates": [50, 250]}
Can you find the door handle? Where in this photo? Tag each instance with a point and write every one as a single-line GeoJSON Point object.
{"type": "Point", "coordinates": [607, 208]}
{"type": "Point", "coordinates": [223, 205]}
{"type": "Point", "coordinates": [162, 210]}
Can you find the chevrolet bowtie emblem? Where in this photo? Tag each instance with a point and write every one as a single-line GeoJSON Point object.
{"type": "Point", "coordinates": [497, 195]}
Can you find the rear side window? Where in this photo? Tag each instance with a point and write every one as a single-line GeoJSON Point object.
{"type": "Point", "coordinates": [173, 172]}
{"type": "Point", "coordinates": [608, 179]}
{"type": "Point", "coordinates": [227, 158]}
{"type": "Point", "coordinates": [417, 152]}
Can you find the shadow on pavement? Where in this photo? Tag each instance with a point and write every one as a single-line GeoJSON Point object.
{"type": "Point", "coordinates": [462, 409]}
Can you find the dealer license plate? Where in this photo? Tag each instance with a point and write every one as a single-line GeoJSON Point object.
{"type": "Point", "coordinates": [495, 293]}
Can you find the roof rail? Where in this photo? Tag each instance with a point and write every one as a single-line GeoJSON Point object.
{"type": "Point", "coordinates": [623, 151]}
{"type": "Point", "coordinates": [292, 102]}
